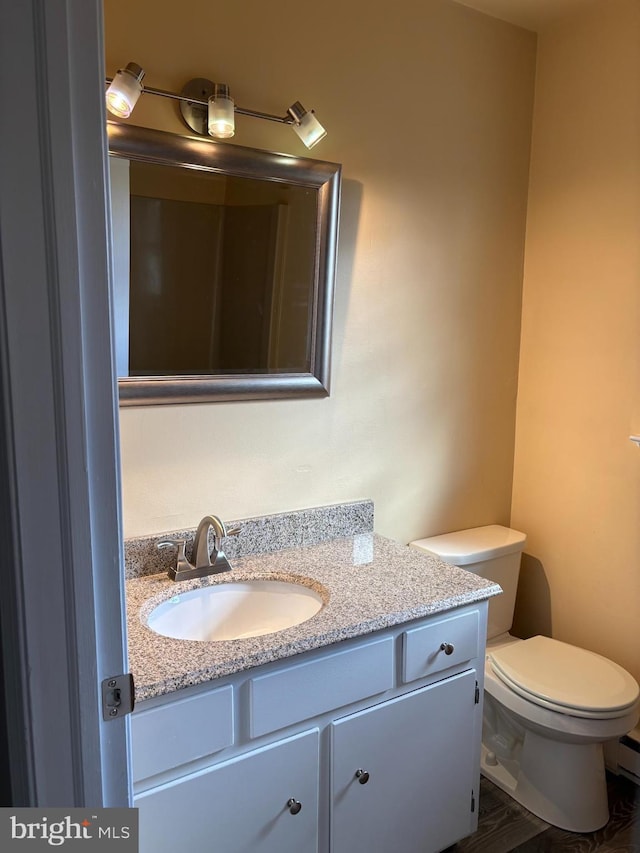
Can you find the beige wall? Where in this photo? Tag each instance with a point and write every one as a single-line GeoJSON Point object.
{"type": "Point", "coordinates": [422, 410]}
{"type": "Point", "coordinates": [577, 476]}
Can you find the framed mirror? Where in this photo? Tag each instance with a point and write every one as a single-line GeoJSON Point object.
{"type": "Point", "coordinates": [224, 267]}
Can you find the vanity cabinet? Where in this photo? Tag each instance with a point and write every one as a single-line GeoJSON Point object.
{"type": "Point", "coordinates": [370, 744]}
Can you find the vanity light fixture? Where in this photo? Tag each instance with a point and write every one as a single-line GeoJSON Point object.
{"type": "Point", "coordinates": [124, 90]}
{"type": "Point", "coordinates": [306, 125]}
{"type": "Point", "coordinates": [206, 107]}
{"type": "Point", "coordinates": [221, 121]}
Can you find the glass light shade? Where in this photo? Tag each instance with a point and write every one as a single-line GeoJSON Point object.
{"type": "Point", "coordinates": [124, 90]}
{"type": "Point", "coordinates": [221, 119]}
{"type": "Point", "coordinates": [309, 129]}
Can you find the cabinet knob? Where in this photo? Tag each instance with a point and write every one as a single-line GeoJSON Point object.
{"type": "Point", "coordinates": [294, 806]}
{"type": "Point", "coordinates": [447, 648]}
{"type": "Point", "coordinates": [362, 776]}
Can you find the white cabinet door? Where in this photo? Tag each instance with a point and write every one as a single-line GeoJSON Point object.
{"type": "Point", "coordinates": [419, 756]}
{"type": "Point", "coordinates": [240, 805]}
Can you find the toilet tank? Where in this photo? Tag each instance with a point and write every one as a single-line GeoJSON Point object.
{"type": "Point", "coordinates": [493, 552]}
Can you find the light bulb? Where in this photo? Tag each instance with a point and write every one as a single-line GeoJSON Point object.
{"type": "Point", "coordinates": [306, 125]}
{"type": "Point", "coordinates": [220, 113]}
{"type": "Point", "coordinates": [124, 90]}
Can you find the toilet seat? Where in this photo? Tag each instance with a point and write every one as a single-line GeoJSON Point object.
{"type": "Point", "coordinates": [565, 678]}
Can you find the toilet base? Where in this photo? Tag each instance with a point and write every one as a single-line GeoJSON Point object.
{"type": "Point", "coordinates": [562, 783]}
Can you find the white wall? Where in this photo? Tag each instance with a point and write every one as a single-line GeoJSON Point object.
{"type": "Point", "coordinates": [421, 414]}
{"type": "Point", "coordinates": [577, 476]}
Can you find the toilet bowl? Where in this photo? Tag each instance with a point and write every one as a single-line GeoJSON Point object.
{"type": "Point", "coordinates": [543, 735]}
{"type": "Point", "coordinates": [548, 706]}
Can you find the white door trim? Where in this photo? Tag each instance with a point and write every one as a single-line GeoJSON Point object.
{"type": "Point", "coordinates": [61, 607]}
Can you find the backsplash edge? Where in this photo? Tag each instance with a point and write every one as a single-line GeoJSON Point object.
{"type": "Point", "coordinates": [259, 534]}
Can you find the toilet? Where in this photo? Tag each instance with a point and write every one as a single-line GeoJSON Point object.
{"type": "Point", "coordinates": [548, 706]}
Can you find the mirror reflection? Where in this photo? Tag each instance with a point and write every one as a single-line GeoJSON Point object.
{"type": "Point", "coordinates": [230, 260]}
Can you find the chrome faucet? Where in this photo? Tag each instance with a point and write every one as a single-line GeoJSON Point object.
{"type": "Point", "coordinates": [201, 554]}
{"type": "Point", "coordinates": [204, 563]}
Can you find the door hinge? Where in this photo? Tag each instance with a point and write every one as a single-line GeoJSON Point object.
{"type": "Point", "coordinates": [473, 801]}
{"type": "Point", "coordinates": [477, 694]}
{"type": "Point", "coordinates": [117, 696]}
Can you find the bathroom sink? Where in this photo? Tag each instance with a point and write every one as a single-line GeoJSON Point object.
{"type": "Point", "coordinates": [233, 611]}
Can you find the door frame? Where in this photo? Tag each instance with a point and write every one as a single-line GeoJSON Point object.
{"type": "Point", "coordinates": [62, 601]}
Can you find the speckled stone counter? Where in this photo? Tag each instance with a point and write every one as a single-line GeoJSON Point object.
{"type": "Point", "coordinates": [259, 535]}
{"type": "Point", "coordinates": [367, 583]}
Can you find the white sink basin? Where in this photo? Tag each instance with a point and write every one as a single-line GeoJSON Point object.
{"type": "Point", "coordinates": [233, 611]}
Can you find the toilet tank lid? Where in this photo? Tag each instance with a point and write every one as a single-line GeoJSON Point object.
{"type": "Point", "coordinates": [474, 545]}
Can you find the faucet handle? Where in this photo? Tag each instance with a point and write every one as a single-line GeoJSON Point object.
{"type": "Point", "coordinates": [182, 564]}
{"type": "Point", "coordinates": [233, 531]}
{"type": "Point", "coordinates": [180, 544]}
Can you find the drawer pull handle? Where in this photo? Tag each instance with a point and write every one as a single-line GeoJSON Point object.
{"type": "Point", "coordinates": [447, 648]}
{"type": "Point", "coordinates": [362, 776]}
{"type": "Point", "coordinates": [294, 806]}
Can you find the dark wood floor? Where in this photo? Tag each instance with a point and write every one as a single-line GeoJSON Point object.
{"type": "Point", "coordinates": [506, 827]}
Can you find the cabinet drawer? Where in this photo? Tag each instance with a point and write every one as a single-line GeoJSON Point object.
{"type": "Point", "coordinates": [174, 734]}
{"type": "Point", "coordinates": [422, 652]}
{"type": "Point", "coordinates": [300, 692]}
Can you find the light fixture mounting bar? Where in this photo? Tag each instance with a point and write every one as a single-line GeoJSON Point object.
{"type": "Point", "coordinates": [243, 111]}
{"type": "Point", "coordinates": [207, 107]}
{"type": "Point", "coordinates": [268, 116]}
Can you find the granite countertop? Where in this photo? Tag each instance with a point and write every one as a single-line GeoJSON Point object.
{"type": "Point", "coordinates": [367, 583]}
